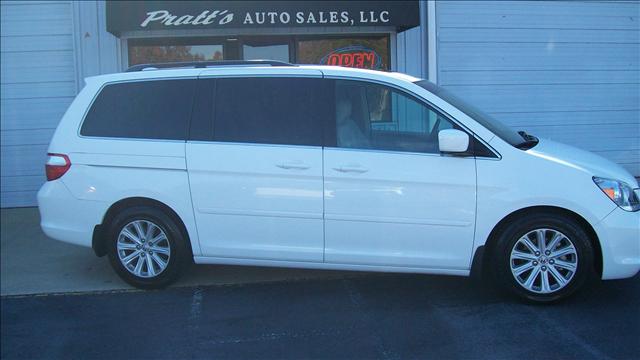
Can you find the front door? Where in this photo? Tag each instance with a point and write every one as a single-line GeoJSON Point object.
{"type": "Point", "coordinates": [390, 197]}
{"type": "Point", "coordinates": [257, 185]}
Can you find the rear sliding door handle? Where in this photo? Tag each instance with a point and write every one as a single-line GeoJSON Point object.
{"type": "Point", "coordinates": [351, 169]}
{"type": "Point", "coordinates": [293, 166]}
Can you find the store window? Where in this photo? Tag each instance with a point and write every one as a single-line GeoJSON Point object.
{"type": "Point", "coordinates": [367, 52]}
{"type": "Point", "coordinates": [148, 51]}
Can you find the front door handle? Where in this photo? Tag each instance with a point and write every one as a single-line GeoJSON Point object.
{"type": "Point", "coordinates": [351, 169]}
{"type": "Point", "coordinates": [293, 166]}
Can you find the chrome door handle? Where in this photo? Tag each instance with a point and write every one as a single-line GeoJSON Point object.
{"type": "Point", "coordinates": [293, 166]}
{"type": "Point", "coordinates": [351, 169]}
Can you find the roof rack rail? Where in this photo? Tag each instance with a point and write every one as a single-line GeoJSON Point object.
{"type": "Point", "coordinates": [206, 64]}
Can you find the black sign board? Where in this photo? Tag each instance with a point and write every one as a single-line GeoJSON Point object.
{"type": "Point", "coordinates": [166, 15]}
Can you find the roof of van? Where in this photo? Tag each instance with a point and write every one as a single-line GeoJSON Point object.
{"type": "Point", "coordinates": [173, 73]}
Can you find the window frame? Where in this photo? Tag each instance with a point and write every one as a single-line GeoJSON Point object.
{"type": "Point", "coordinates": [103, 86]}
{"type": "Point", "coordinates": [473, 137]}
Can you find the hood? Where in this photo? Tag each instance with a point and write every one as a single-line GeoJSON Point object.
{"type": "Point", "coordinates": [582, 160]}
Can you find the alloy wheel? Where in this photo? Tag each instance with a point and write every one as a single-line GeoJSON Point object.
{"type": "Point", "coordinates": [543, 261]}
{"type": "Point", "coordinates": [143, 248]}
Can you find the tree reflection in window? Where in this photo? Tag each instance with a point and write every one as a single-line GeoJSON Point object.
{"type": "Point", "coordinates": [172, 53]}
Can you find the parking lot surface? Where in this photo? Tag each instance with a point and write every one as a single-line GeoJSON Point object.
{"type": "Point", "coordinates": [32, 263]}
{"type": "Point", "coordinates": [380, 316]}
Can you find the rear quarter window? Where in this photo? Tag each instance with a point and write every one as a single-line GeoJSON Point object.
{"type": "Point", "coordinates": [158, 109]}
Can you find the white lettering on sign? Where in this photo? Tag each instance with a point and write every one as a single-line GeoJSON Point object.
{"type": "Point", "coordinates": [205, 18]}
{"type": "Point", "coordinates": [222, 17]}
{"type": "Point", "coordinates": [372, 17]}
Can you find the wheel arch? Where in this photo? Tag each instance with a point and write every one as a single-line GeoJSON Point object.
{"type": "Point", "coordinates": [482, 256]}
{"type": "Point", "coordinates": [98, 242]}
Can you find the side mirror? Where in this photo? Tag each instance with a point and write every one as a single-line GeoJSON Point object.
{"type": "Point", "coordinates": [453, 141]}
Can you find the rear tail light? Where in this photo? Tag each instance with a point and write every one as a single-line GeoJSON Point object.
{"type": "Point", "coordinates": [56, 166]}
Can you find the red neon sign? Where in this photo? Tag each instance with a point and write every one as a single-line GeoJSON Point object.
{"type": "Point", "coordinates": [353, 56]}
{"type": "Point", "coordinates": [363, 60]}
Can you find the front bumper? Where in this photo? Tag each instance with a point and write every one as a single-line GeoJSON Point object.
{"type": "Point", "coordinates": [619, 235]}
{"type": "Point", "coordinates": [66, 218]}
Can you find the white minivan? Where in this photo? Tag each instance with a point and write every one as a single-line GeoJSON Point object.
{"type": "Point", "coordinates": [271, 164]}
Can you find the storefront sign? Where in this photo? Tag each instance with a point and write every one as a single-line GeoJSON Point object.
{"type": "Point", "coordinates": [354, 56]}
{"type": "Point", "coordinates": [159, 15]}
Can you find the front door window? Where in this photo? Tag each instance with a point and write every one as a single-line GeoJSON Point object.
{"type": "Point", "coordinates": [373, 116]}
{"type": "Point", "coordinates": [271, 48]}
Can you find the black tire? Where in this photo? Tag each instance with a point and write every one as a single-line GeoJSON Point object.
{"type": "Point", "coordinates": [509, 236]}
{"type": "Point", "coordinates": [180, 255]}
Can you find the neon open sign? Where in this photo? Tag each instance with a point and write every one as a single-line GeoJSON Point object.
{"type": "Point", "coordinates": [354, 56]}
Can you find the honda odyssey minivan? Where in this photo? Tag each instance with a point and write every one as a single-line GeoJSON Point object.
{"type": "Point", "coordinates": [271, 164]}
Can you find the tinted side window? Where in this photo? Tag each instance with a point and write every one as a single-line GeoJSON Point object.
{"type": "Point", "coordinates": [158, 109]}
{"type": "Point", "coordinates": [372, 116]}
{"type": "Point", "coordinates": [271, 110]}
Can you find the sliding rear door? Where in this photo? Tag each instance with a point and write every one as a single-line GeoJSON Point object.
{"type": "Point", "coordinates": [255, 167]}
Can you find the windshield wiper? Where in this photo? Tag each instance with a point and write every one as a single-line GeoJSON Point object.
{"type": "Point", "coordinates": [529, 141]}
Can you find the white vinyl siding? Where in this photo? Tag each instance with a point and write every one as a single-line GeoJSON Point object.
{"type": "Point", "coordinates": [569, 71]}
{"type": "Point", "coordinates": [38, 84]}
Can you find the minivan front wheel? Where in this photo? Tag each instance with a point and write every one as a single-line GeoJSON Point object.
{"type": "Point", "coordinates": [543, 261]}
{"type": "Point", "coordinates": [544, 258]}
{"type": "Point", "coordinates": [146, 247]}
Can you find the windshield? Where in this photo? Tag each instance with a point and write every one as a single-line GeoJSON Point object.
{"type": "Point", "coordinates": [501, 130]}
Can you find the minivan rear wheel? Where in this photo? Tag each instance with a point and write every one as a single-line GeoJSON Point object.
{"type": "Point", "coordinates": [543, 257]}
{"type": "Point", "coordinates": [146, 247]}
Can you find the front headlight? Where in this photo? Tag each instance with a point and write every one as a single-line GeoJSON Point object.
{"type": "Point", "coordinates": [620, 193]}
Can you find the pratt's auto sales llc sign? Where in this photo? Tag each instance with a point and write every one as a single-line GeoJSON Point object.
{"type": "Point", "coordinates": [163, 15]}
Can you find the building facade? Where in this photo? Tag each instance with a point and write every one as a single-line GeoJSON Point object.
{"type": "Point", "coordinates": [569, 71]}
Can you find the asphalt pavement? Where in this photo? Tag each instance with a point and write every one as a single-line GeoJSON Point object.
{"type": "Point", "coordinates": [372, 316]}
